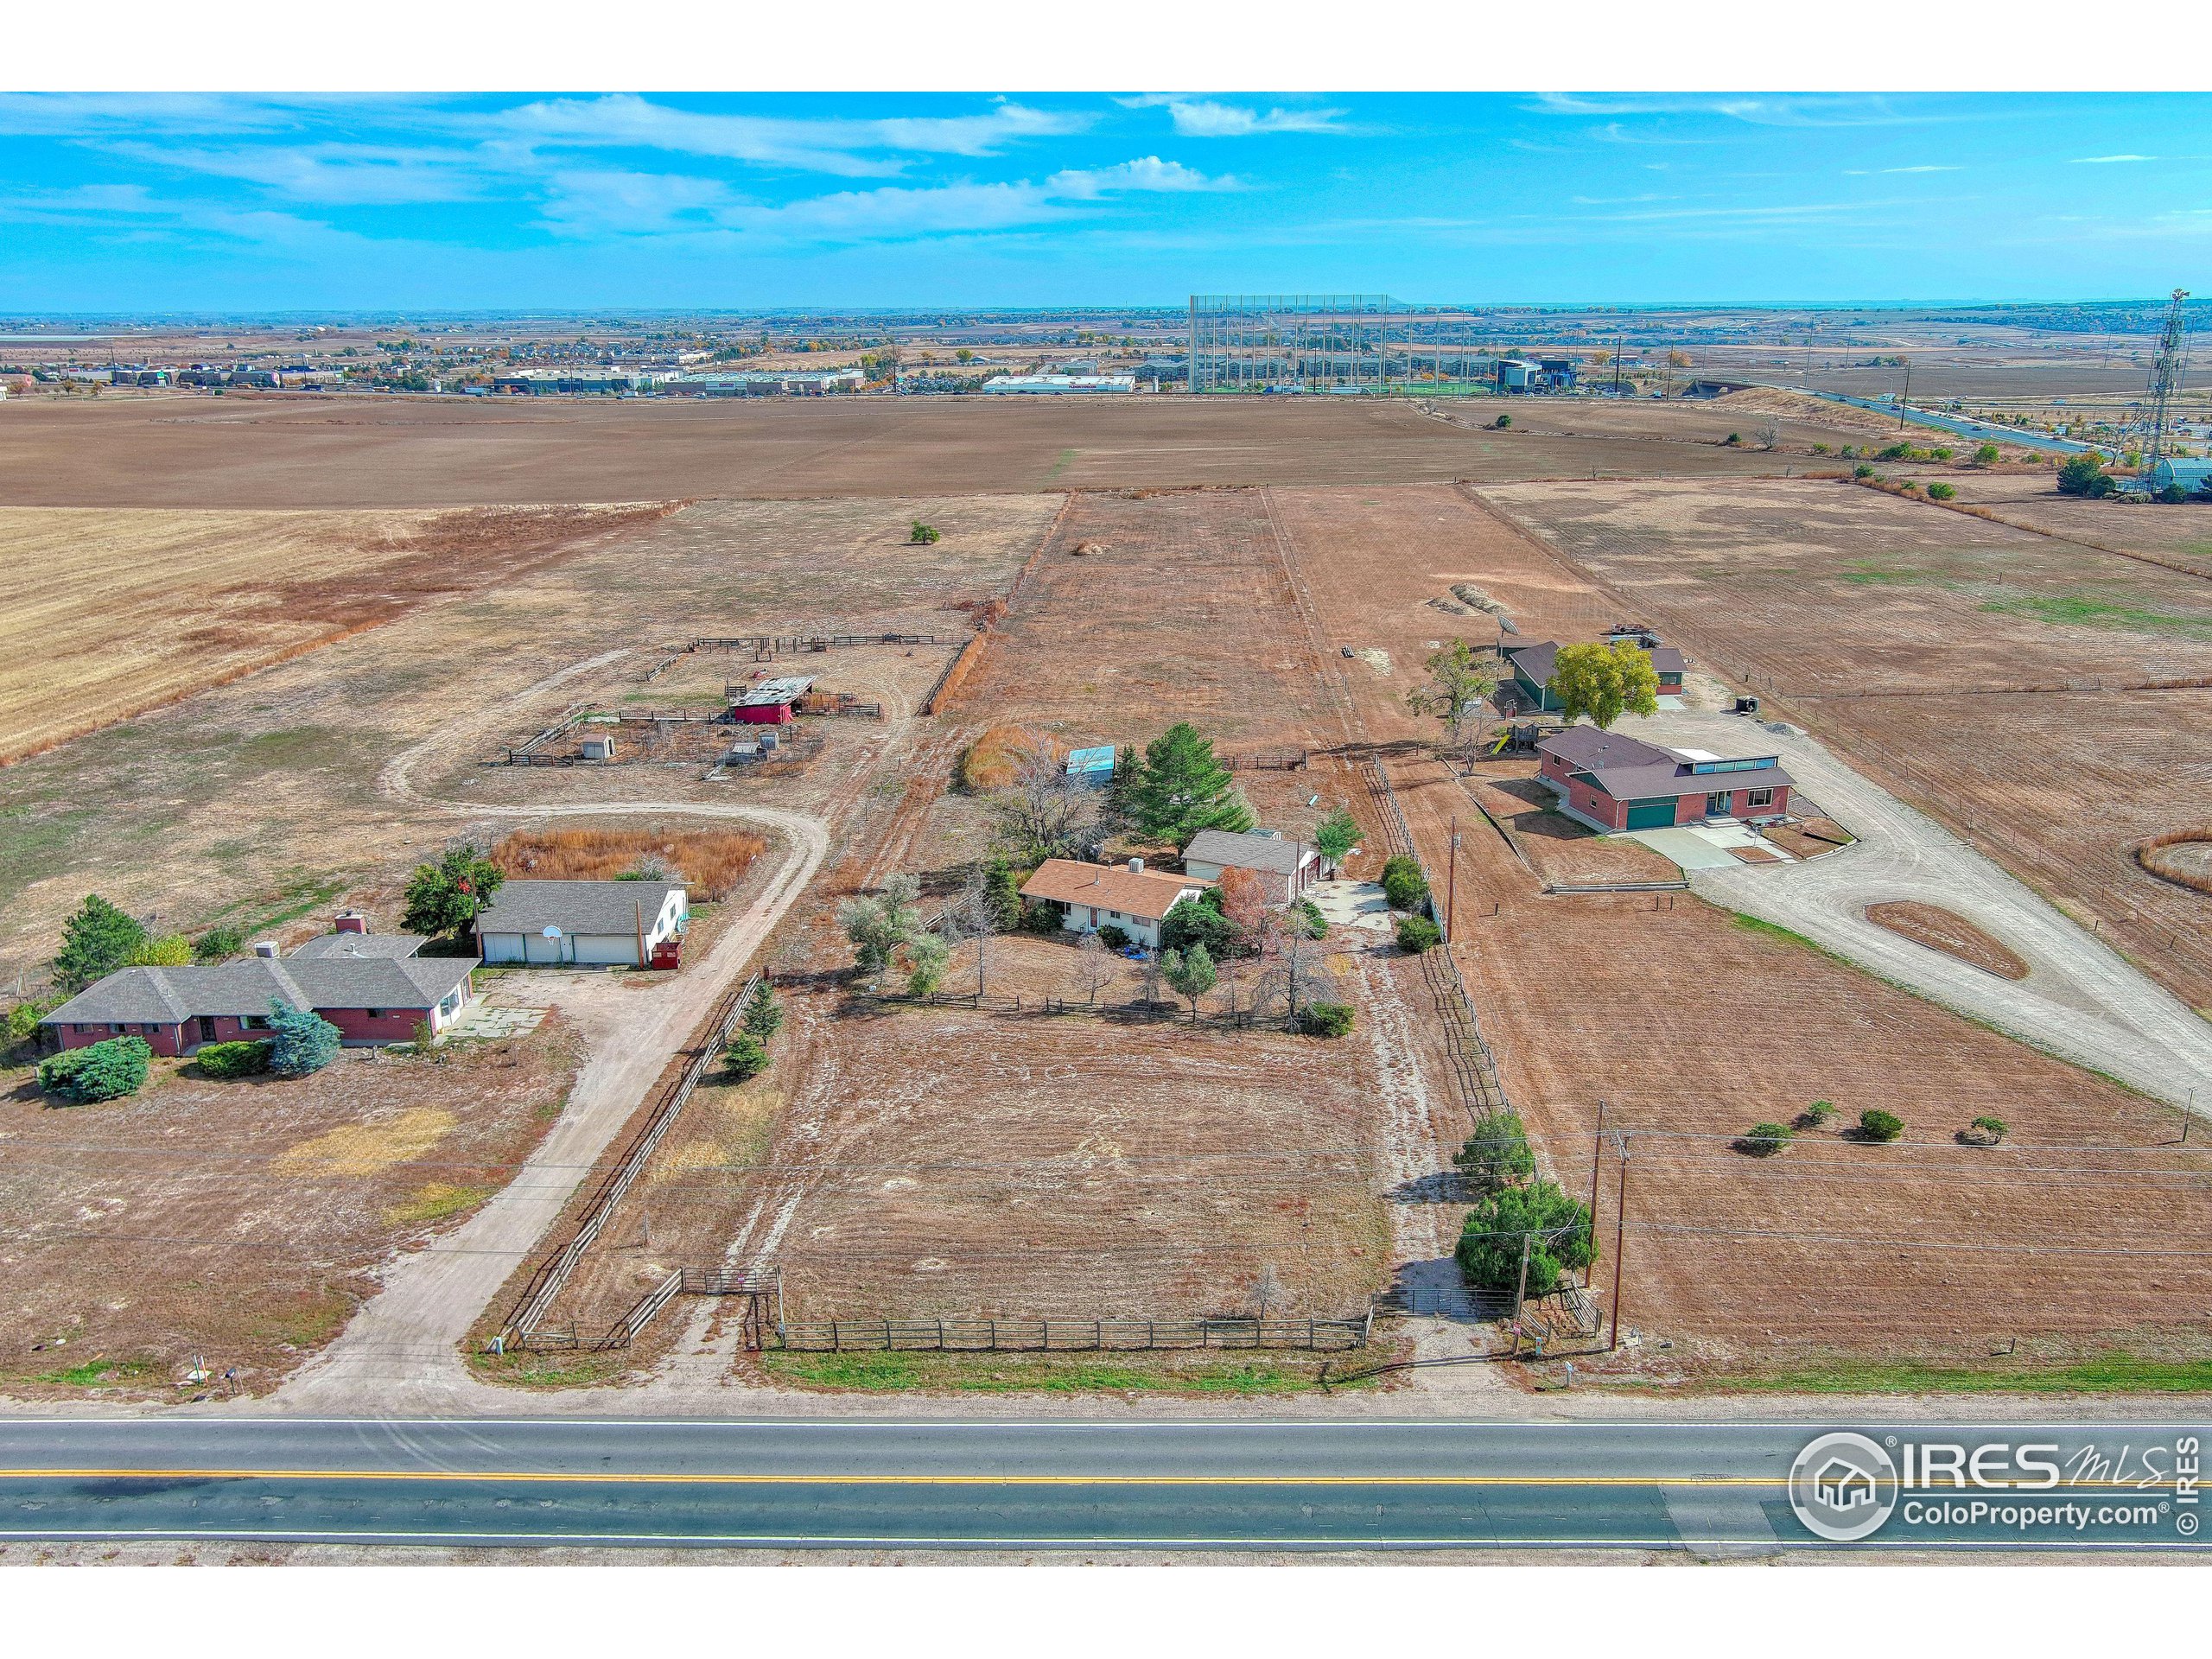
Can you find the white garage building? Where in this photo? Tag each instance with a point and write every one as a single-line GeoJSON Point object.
{"type": "Point", "coordinates": [585, 924]}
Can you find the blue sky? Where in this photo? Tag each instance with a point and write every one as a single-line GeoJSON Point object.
{"type": "Point", "coordinates": [189, 203]}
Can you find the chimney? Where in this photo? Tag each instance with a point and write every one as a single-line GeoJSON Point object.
{"type": "Point", "coordinates": [1136, 866]}
{"type": "Point", "coordinates": [265, 947]}
{"type": "Point", "coordinates": [349, 921]}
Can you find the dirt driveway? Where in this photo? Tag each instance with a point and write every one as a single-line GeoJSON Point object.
{"type": "Point", "coordinates": [2081, 998]}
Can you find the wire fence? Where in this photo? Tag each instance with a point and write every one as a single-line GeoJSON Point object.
{"type": "Point", "coordinates": [1072, 1336]}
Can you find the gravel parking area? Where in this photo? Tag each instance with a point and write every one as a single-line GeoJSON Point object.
{"type": "Point", "coordinates": [2081, 998]}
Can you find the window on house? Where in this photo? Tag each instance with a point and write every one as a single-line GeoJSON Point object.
{"type": "Point", "coordinates": [374, 1013]}
{"type": "Point", "coordinates": [254, 1022]}
{"type": "Point", "coordinates": [1758, 798]}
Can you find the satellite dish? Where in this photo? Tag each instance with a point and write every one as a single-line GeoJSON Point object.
{"type": "Point", "coordinates": [551, 932]}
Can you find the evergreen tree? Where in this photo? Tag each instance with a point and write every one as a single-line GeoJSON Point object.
{"type": "Point", "coordinates": [304, 1042]}
{"type": "Point", "coordinates": [95, 942]}
{"type": "Point", "coordinates": [764, 1015]}
{"type": "Point", "coordinates": [1181, 789]}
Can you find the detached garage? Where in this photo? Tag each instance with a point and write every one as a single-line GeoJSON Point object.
{"type": "Point", "coordinates": [585, 924]}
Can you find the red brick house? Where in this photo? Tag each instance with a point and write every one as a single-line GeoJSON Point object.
{"type": "Point", "coordinates": [371, 986]}
{"type": "Point", "coordinates": [1612, 782]}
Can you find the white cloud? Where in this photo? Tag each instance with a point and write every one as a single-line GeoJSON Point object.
{"type": "Point", "coordinates": [1205, 117]}
{"type": "Point", "coordinates": [1793, 110]}
{"type": "Point", "coordinates": [1147, 173]}
{"type": "Point", "coordinates": [2101, 161]}
{"type": "Point", "coordinates": [852, 148]}
{"type": "Point", "coordinates": [592, 202]}
{"type": "Point", "coordinates": [340, 174]}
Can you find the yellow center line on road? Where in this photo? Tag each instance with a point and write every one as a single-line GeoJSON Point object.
{"type": "Point", "coordinates": [609, 1478]}
{"type": "Point", "coordinates": [589, 1478]}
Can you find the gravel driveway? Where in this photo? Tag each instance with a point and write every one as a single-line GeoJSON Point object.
{"type": "Point", "coordinates": [2081, 998]}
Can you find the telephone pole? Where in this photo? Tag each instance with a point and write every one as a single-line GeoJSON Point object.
{"type": "Point", "coordinates": [1452, 887]}
{"type": "Point", "coordinates": [1521, 1291]}
{"type": "Point", "coordinates": [1907, 398]}
{"type": "Point", "coordinates": [1620, 1230]}
{"type": "Point", "coordinates": [1597, 1153]}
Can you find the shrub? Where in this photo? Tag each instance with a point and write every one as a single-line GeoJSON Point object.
{"type": "Point", "coordinates": [2084, 475]}
{"type": "Point", "coordinates": [1733, 438]}
{"type": "Point", "coordinates": [1941, 453]}
{"type": "Point", "coordinates": [1986, 455]}
{"type": "Point", "coordinates": [2173, 495]}
{"type": "Point", "coordinates": [1502, 423]}
{"type": "Point", "coordinates": [217, 944]}
{"type": "Point", "coordinates": [745, 1058]}
{"type": "Point", "coordinates": [1984, 1131]}
{"type": "Point", "coordinates": [924, 533]}
{"type": "Point", "coordinates": [1403, 885]}
{"type": "Point", "coordinates": [1862, 470]}
{"type": "Point", "coordinates": [1307, 916]}
{"type": "Point", "coordinates": [1417, 934]}
{"type": "Point", "coordinates": [1941, 492]}
{"type": "Point", "coordinates": [1199, 923]}
{"type": "Point", "coordinates": [1820, 448]}
{"type": "Point", "coordinates": [167, 950]}
{"type": "Point", "coordinates": [1039, 919]}
{"type": "Point", "coordinates": [1496, 1154]}
{"type": "Point", "coordinates": [106, 1071]}
{"type": "Point", "coordinates": [1114, 938]}
{"type": "Point", "coordinates": [232, 1059]}
{"type": "Point", "coordinates": [22, 1020]}
{"type": "Point", "coordinates": [304, 1043]}
{"type": "Point", "coordinates": [1555, 1227]}
{"type": "Point", "coordinates": [1765, 1140]}
{"type": "Point", "coordinates": [1815, 1115]}
{"type": "Point", "coordinates": [1326, 1020]}
{"type": "Point", "coordinates": [1875, 1124]}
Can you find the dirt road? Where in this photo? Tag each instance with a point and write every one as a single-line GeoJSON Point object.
{"type": "Point", "coordinates": [401, 1350]}
{"type": "Point", "coordinates": [2081, 998]}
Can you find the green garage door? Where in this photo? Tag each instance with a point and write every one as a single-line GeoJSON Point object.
{"type": "Point", "coordinates": [1650, 814]}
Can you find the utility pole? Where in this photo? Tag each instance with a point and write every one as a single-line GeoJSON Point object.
{"type": "Point", "coordinates": [1521, 1291]}
{"type": "Point", "coordinates": [1597, 1152]}
{"type": "Point", "coordinates": [1620, 1230]}
{"type": "Point", "coordinates": [1907, 398]}
{"type": "Point", "coordinates": [1618, 343]}
{"type": "Point", "coordinates": [1452, 887]}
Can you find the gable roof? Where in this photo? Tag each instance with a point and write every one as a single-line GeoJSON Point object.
{"type": "Point", "coordinates": [573, 906]}
{"type": "Point", "coordinates": [1144, 893]}
{"type": "Point", "coordinates": [171, 996]}
{"type": "Point", "coordinates": [1249, 852]}
{"type": "Point", "coordinates": [350, 945]}
{"type": "Point", "coordinates": [1539, 661]}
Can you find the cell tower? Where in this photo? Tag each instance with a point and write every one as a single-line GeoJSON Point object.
{"type": "Point", "coordinates": [2167, 369]}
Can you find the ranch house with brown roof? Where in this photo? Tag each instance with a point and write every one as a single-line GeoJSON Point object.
{"type": "Point", "coordinates": [1092, 896]}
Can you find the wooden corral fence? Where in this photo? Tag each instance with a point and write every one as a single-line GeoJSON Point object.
{"type": "Point", "coordinates": [1481, 1090]}
{"type": "Point", "coordinates": [1284, 760]}
{"type": "Point", "coordinates": [1073, 1336]}
{"type": "Point", "coordinates": [766, 647]}
{"type": "Point", "coordinates": [521, 1329]}
{"type": "Point", "coordinates": [528, 753]}
{"type": "Point", "coordinates": [1154, 1014]}
{"type": "Point", "coordinates": [963, 661]}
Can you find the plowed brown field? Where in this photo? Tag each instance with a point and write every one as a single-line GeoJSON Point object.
{"type": "Point", "coordinates": [345, 452]}
{"type": "Point", "coordinates": [1691, 1026]}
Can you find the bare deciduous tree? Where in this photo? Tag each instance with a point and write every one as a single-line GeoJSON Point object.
{"type": "Point", "coordinates": [1093, 966]}
{"type": "Point", "coordinates": [1294, 971]}
{"type": "Point", "coordinates": [1042, 812]}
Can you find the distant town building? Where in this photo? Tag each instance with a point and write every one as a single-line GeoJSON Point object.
{"type": "Point", "coordinates": [1056, 384]}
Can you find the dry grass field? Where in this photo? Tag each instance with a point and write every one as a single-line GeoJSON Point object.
{"type": "Point", "coordinates": [242, 1222]}
{"type": "Point", "coordinates": [112, 613]}
{"type": "Point", "coordinates": [327, 453]}
{"type": "Point", "coordinates": [1692, 1027]}
{"type": "Point", "coordinates": [2180, 536]}
{"type": "Point", "coordinates": [257, 801]}
{"type": "Point", "coordinates": [1986, 674]}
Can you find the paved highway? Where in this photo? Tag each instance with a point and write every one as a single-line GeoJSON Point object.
{"type": "Point", "coordinates": [1011, 1484]}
